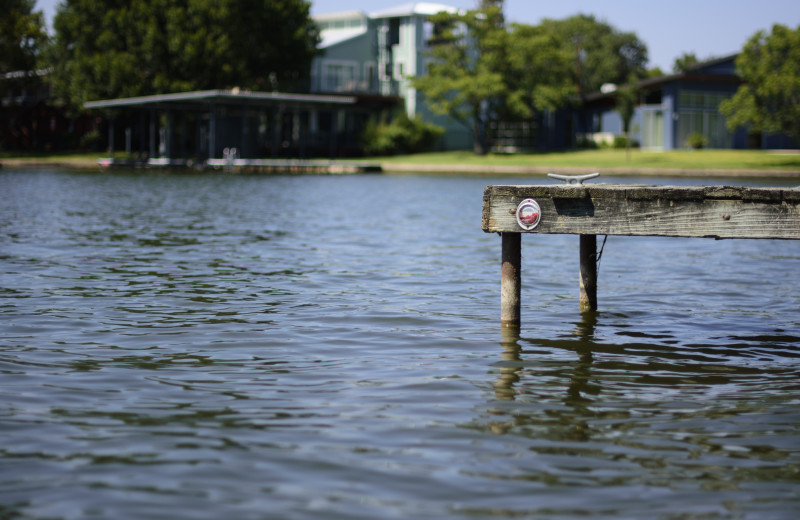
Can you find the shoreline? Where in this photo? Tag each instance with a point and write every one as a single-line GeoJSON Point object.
{"type": "Point", "coordinates": [395, 168]}
{"type": "Point", "coordinates": [542, 170]}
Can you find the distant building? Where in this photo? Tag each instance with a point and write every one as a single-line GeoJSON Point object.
{"type": "Point", "coordinates": [377, 53]}
{"type": "Point", "coordinates": [30, 122]}
{"type": "Point", "coordinates": [672, 108]}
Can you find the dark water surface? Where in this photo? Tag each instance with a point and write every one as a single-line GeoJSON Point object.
{"type": "Point", "coordinates": [277, 347]}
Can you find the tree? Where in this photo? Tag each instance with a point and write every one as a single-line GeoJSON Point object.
{"type": "Point", "coordinates": [599, 52]}
{"type": "Point", "coordinates": [464, 78]}
{"type": "Point", "coordinates": [684, 62]}
{"type": "Point", "coordinates": [538, 76]}
{"type": "Point", "coordinates": [627, 97]}
{"type": "Point", "coordinates": [22, 35]}
{"type": "Point", "coordinates": [769, 98]}
{"type": "Point", "coordinates": [107, 49]}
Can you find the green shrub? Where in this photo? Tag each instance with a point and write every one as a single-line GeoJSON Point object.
{"type": "Point", "coordinates": [90, 141]}
{"type": "Point", "coordinates": [697, 141]}
{"type": "Point", "coordinates": [621, 142]}
{"type": "Point", "coordinates": [402, 135]}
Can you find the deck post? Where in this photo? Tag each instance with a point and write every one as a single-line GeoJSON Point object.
{"type": "Point", "coordinates": [111, 137]}
{"type": "Point", "coordinates": [588, 273]}
{"type": "Point", "coordinates": [510, 280]}
{"type": "Point", "coordinates": [212, 131]}
{"type": "Point", "coordinates": [152, 134]}
{"type": "Point", "coordinates": [168, 135]}
{"type": "Point", "coordinates": [245, 148]}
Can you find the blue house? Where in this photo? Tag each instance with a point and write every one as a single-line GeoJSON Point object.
{"type": "Point", "coordinates": [672, 108]}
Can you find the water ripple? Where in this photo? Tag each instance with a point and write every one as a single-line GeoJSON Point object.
{"type": "Point", "coordinates": [209, 346]}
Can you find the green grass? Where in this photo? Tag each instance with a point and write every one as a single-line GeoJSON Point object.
{"type": "Point", "coordinates": [756, 161]}
{"type": "Point", "coordinates": [63, 158]}
{"type": "Point", "coordinates": [699, 160]}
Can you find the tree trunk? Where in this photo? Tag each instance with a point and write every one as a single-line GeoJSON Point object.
{"type": "Point", "coordinates": [478, 138]}
{"type": "Point", "coordinates": [627, 147]}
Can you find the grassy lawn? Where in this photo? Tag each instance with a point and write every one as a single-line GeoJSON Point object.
{"type": "Point", "coordinates": [755, 160]}
{"type": "Point", "coordinates": [65, 158]}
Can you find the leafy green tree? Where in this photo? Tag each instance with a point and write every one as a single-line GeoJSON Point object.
{"type": "Point", "coordinates": [107, 49]}
{"type": "Point", "coordinates": [22, 35]}
{"type": "Point", "coordinates": [769, 99]}
{"type": "Point", "coordinates": [684, 62]}
{"type": "Point", "coordinates": [538, 75]}
{"type": "Point", "coordinates": [465, 75]}
{"type": "Point", "coordinates": [482, 70]}
{"type": "Point", "coordinates": [599, 52]}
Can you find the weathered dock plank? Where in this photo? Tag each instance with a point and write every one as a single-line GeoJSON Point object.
{"type": "Point", "coordinates": [642, 210]}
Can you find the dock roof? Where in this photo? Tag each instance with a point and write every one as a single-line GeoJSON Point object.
{"type": "Point", "coordinates": [234, 96]}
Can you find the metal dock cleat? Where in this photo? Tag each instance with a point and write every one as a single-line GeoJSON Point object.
{"type": "Point", "coordinates": [574, 179]}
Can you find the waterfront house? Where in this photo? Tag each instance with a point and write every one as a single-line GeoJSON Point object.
{"type": "Point", "coordinates": [377, 53]}
{"type": "Point", "coordinates": [673, 108]}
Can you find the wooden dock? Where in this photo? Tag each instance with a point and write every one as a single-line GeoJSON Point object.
{"type": "Point", "coordinates": [588, 210]}
{"type": "Point", "coordinates": [250, 165]}
{"type": "Point", "coordinates": [293, 166]}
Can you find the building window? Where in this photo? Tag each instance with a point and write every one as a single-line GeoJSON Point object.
{"type": "Point", "coordinates": [370, 82]}
{"type": "Point", "coordinates": [698, 113]}
{"type": "Point", "coordinates": [339, 76]}
{"type": "Point", "coordinates": [394, 32]}
{"type": "Point", "coordinates": [689, 99]}
{"type": "Point", "coordinates": [653, 129]}
{"type": "Point", "coordinates": [711, 124]}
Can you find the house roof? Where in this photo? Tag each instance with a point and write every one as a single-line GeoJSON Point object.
{"type": "Point", "coordinates": [696, 72]}
{"type": "Point", "coordinates": [713, 61]}
{"type": "Point", "coordinates": [423, 8]}
{"type": "Point", "coordinates": [330, 37]}
{"type": "Point", "coordinates": [339, 15]}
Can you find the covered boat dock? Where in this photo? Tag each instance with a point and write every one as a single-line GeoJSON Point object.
{"type": "Point", "coordinates": [237, 128]}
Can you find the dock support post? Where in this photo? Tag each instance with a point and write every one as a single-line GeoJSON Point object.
{"type": "Point", "coordinates": [111, 137]}
{"type": "Point", "coordinates": [510, 280]}
{"type": "Point", "coordinates": [152, 134]}
{"type": "Point", "coordinates": [212, 131]}
{"type": "Point", "coordinates": [588, 273]}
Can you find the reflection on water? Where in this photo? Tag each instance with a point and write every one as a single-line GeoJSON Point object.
{"type": "Point", "coordinates": [595, 414]}
{"type": "Point", "coordinates": [213, 346]}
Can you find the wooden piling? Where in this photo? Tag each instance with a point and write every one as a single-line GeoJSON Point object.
{"type": "Point", "coordinates": [588, 273]}
{"type": "Point", "coordinates": [510, 280]}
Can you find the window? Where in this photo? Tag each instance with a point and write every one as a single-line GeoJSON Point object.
{"type": "Point", "coordinates": [689, 99]}
{"type": "Point", "coordinates": [698, 113]}
{"type": "Point", "coordinates": [653, 129]}
{"type": "Point", "coordinates": [370, 79]}
{"type": "Point", "coordinates": [339, 76]}
{"type": "Point", "coordinates": [709, 123]}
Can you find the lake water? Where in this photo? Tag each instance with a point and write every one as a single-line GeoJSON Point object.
{"type": "Point", "coordinates": [211, 346]}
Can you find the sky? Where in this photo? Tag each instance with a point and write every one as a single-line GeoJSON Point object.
{"type": "Point", "coordinates": [708, 28]}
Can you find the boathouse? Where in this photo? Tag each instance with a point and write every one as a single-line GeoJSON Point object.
{"type": "Point", "coordinates": [197, 128]}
